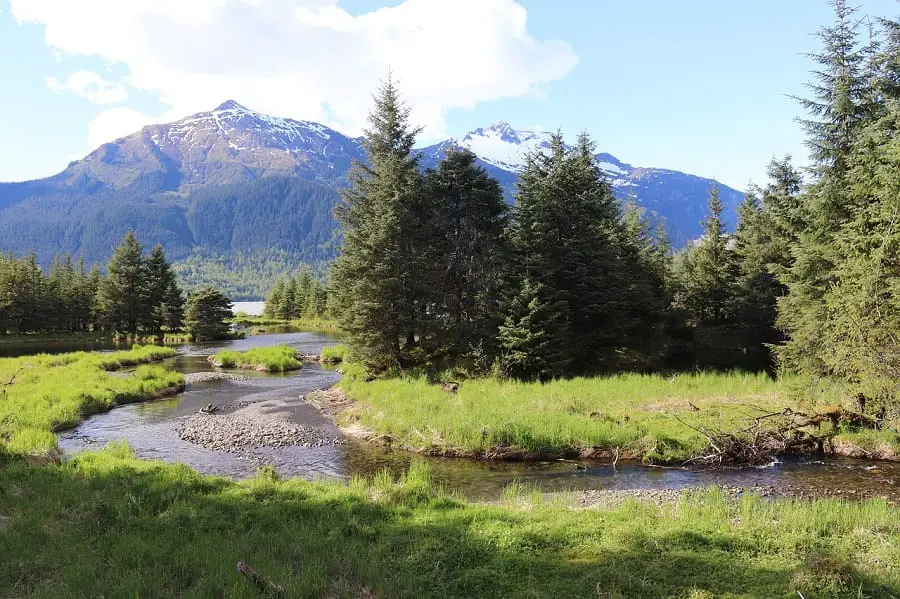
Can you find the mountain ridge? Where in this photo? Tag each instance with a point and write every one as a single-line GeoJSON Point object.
{"type": "Point", "coordinates": [170, 180]}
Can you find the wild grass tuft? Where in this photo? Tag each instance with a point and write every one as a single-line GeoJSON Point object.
{"type": "Point", "coordinates": [334, 354]}
{"type": "Point", "coordinates": [271, 359]}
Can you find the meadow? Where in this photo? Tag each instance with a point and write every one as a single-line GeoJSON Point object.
{"type": "Point", "coordinates": [107, 524]}
{"type": "Point", "coordinates": [650, 417]}
{"type": "Point", "coordinates": [104, 523]}
{"type": "Point", "coordinates": [280, 358]}
{"type": "Point", "coordinates": [46, 393]}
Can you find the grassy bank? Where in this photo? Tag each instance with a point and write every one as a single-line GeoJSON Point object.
{"type": "Point", "coordinates": [326, 325]}
{"type": "Point", "coordinates": [46, 393]}
{"type": "Point", "coordinates": [642, 416]}
{"type": "Point", "coordinates": [334, 354]}
{"type": "Point", "coordinates": [109, 525]}
{"type": "Point", "coordinates": [90, 336]}
{"type": "Point", "coordinates": [269, 359]}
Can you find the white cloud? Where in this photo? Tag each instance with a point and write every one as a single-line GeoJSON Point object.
{"type": "Point", "coordinates": [114, 123]}
{"type": "Point", "coordinates": [90, 85]}
{"type": "Point", "coordinates": [309, 59]}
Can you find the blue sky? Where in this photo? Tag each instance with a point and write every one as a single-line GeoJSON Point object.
{"type": "Point", "coordinates": [700, 86]}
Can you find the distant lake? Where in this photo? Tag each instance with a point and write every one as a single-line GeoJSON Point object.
{"type": "Point", "coordinates": [250, 308]}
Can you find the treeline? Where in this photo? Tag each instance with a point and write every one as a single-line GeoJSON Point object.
{"type": "Point", "coordinates": [436, 271]}
{"type": "Point", "coordinates": [814, 266]}
{"type": "Point", "coordinates": [138, 297]}
{"type": "Point", "coordinates": [301, 296]}
{"type": "Point", "coordinates": [243, 274]}
{"type": "Point", "coordinates": [63, 299]}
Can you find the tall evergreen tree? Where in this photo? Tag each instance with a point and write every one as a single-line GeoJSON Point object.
{"type": "Point", "coordinates": [861, 328]}
{"type": "Point", "coordinates": [379, 277]}
{"type": "Point", "coordinates": [469, 235]}
{"type": "Point", "coordinates": [566, 238]}
{"type": "Point", "coordinates": [123, 292]}
{"type": "Point", "coordinates": [163, 298]}
{"type": "Point", "coordinates": [274, 299]}
{"type": "Point", "coordinates": [839, 107]}
{"type": "Point", "coordinates": [708, 272]}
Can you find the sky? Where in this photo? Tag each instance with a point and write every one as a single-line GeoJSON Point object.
{"type": "Point", "coordinates": [700, 86]}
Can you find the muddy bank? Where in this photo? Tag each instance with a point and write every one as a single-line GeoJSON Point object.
{"type": "Point", "coordinates": [237, 428]}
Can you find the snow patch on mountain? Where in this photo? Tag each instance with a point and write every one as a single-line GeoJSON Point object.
{"type": "Point", "coordinates": [503, 146]}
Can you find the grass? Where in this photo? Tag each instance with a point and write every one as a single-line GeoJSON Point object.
{"type": "Point", "coordinates": [643, 416]}
{"type": "Point", "coordinates": [60, 336]}
{"type": "Point", "coordinates": [279, 358]}
{"type": "Point", "coordinates": [107, 524]}
{"type": "Point", "coordinates": [327, 325]}
{"type": "Point", "coordinates": [52, 392]}
{"type": "Point", "coordinates": [334, 354]}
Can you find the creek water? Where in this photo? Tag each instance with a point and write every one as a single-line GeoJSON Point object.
{"type": "Point", "coordinates": [151, 430]}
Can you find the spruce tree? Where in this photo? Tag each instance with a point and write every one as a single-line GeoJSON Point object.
{"type": "Point", "coordinates": [469, 236]}
{"type": "Point", "coordinates": [646, 259]}
{"type": "Point", "coordinates": [861, 328]}
{"type": "Point", "coordinates": [274, 299]}
{"type": "Point", "coordinates": [162, 296]}
{"type": "Point", "coordinates": [205, 313]}
{"type": "Point", "coordinates": [708, 272]}
{"type": "Point", "coordinates": [379, 278]}
{"type": "Point", "coordinates": [566, 241]}
{"type": "Point", "coordinates": [123, 292]}
{"type": "Point", "coordinates": [838, 108]}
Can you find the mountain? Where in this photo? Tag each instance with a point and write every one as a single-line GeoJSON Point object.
{"type": "Point", "coordinates": [228, 145]}
{"type": "Point", "coordinates": [678, 198]}
{"type": "Point", "coordinates": [236, 188]}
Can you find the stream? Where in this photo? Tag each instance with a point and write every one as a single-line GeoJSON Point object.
{"type": "Point", "coordinates": [151, 430]}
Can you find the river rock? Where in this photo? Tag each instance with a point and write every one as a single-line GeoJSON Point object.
{"type": "Point", "coordinates": [594, 498]}
{"type": "Point", "coordinates": [202, 377]}
{"type": "Point", "coordinates": [239, 431]}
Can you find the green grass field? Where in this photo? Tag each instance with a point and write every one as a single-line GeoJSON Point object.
{"type": "Point", "coordinates": [651, 417]}
{"type": "Point", "coordinates": [52, 392]}
{"type": "Point", "coordinates": [280, 358]}
{"type": "Point", "coordinates": [106, 524]}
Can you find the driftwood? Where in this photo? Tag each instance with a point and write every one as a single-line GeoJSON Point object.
{"type": "Point", "coordinates": [772, 434]}
{"type": "Point", "coordinates": [209, 409]}
{"type": "Point", "coordinates": [263, 584]}
{"type": "Point", "coordinates": [12, 379]}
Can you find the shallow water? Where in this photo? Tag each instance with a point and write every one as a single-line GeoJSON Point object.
{"type": "Point", "coordinates": [150, 428]}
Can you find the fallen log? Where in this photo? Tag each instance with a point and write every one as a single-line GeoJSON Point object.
{"type": "Point", "coordinates": [263, 584]}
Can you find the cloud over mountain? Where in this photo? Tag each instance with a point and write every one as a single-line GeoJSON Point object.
{"type": "Point", "coordinates": [306, 58]}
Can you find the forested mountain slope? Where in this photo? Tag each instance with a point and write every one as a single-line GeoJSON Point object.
{"type": "Point", "coordinates": [236, 188]}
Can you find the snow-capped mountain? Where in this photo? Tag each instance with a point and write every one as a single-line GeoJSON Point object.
{"type": "Point", "coordinates": [234, 180]}
{"type": "Point", "coordinates": [229, 144]}
{"type": "Point", "coordinates": [677, 197]}
{"type": "Point", "coordinates": [504, 147]}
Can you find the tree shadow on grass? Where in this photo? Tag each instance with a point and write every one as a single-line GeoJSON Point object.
{"type": "Point", "coordinates": [136, 529]}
